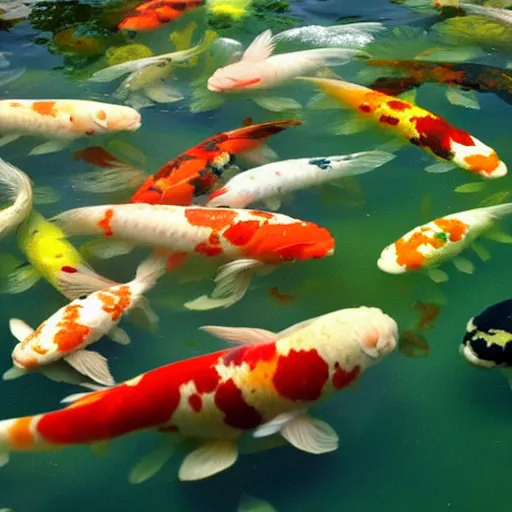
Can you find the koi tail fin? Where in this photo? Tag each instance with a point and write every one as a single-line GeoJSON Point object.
{"type": "Point", "coordinates": [148, 273]}
{"type": "Point", "coordinates": [18, 189]}
{"type": "Point", "coordinates": [498, 211]}
{"type": "Point", "coordinates": [81, 280]}
{"type": "Point", "coordinates": [17, 434]}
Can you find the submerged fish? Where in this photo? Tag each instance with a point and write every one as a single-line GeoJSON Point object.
{"type": "Point", "coordinates": [428, 246]}
{"type": "Point", "coordinates": [198, 170]}
{"type": "Point", "coordinates": [154, 14]}
{"type": "Point", "coordinates": [249, 240]}
{"type": "Point", "coordinates": [18, 188]}
{"type": "Point", "coordinates": [417, 126]}
{"type": "Point", "coordinates": [266, 384]}
{"type": "Point", "coordinates": [62, 121]}
{"type": "Point", "coordinates": [467, 76]}
{"type": "Point", "coordinates": [271, 181]}
{"type": "Point", "coordinates": [97, 308]}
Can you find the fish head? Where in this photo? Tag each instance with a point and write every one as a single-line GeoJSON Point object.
{"type": "Point", "coordinates": [478, 158]}
{"type": "Point", "coordinates": [29, 353]}
{"type": "Point", "coordinates": [239, 75]}
{"type": "Point", "coordinates": [114, 118]}
{"type": "Point", "coordinates": [146, 21]}
{"type": "Point", "coordinates": [387, 261]}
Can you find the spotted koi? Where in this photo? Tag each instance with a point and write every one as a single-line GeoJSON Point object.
{"type": "Point", "coordinates": [432, 244]}
{"type": "Point", "coordinates": [419, 126]}
{"type": "Point", "coordinates": [198, 170]}
{"type": "Point", "coordinates": [263, 385]}
{"type": "Point", "coordinates": [95, 312]}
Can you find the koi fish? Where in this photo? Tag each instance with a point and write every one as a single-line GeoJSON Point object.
{"type": "Point", "coordinates": [467, 75]}
{"type": "Point", "coordinates": [154, 14]}
{"type": "Point", "coordinates": [19, 192]}
{"type": "Point", "coordinates": [146, 76]}
{"type": "Point", "coordinates": [496, 13]}
{"type": "Point", "coordinates": [419, 126]}
{"type": "Point", "coordinates": [263, 386]}
{"type": "Point", "coordinates": [62, 121]}
{"type": "Point", "coordinates": [95, 312]}
{"type": "Point", "coordinates": [259, 70]}
{"type": "Point", "coordinates": [249, 240]}
{"type": "Point", "coordinates": [269, 182]}
{"type": "Point", "coordinates": [425, 247]}
{"type": "Point", "coordinates": [199, 169]}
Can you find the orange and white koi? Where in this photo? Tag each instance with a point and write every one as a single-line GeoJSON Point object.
{"type": "Point", "coordinates": [62, 121]}
{"type": "Point", "coordinates": [263, 387]}
{"type": "Point", "coordinates": [19, 191]}
{"type": "Point", "coordinates": [428, 246]}
{"type": "Point", "coordinates": [250, 240]}
{"type": "Point", "coordinates": [419, 126]}
{"type": "Point", "coordinates": [69, 331]}
{"type": "Point", "coordinates": [269, 182]}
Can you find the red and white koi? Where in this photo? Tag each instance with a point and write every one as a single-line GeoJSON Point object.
{"type": "Point", "coordinates": [419, 126]}
{"type": "Point", "coordinates": [250, 240]}
{"type": "Point", "coordinates": [69, 331]}
{"type": "Point", "coordinates": [19, 191]}
{"type": "Point", "coordinates": [62, 121]}
{"type": "Point", "coordinates": [425, 247]}
{"type": "Point", "coordinates": [269, 182]}
{"type": "Point", "coordinates": [265, 386]}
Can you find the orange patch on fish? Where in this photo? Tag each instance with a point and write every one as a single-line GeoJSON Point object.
{"type": "Point", "coordinates": [104, 223]}
{"type": "Point", "coordinates": [241, 233]}
{"type": "Point", "coordinates": [20, 435]}
{"type": "Point", "coordinates": [45, 108]}
{"type": "Point", "coordinates": [481, 163]}
{"type": "Point", "coordinates": [455, 228]}
{"type": "Point", "coordinates": [71, 334]}
{"type": "Point", "coordinates": [215, 219]}
{"type": "Point", "coordinates": [15, 104]}
{"type": "Point", "coordinates": [407, 253]}
{"type": "Point", "coordinates": [101, 115]}
{"type": "Point", "coordinates": [274, 293]}
{"type": "Point", "coordinates": [175, 260]}
{"type": "Point", "coordinates": [116, 301]}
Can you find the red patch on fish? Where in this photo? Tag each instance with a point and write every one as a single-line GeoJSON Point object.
{"type": "Point", "coordinates": [116, 301]}
{"type": "Point", "coordinates": [238, 413]}
{"type": "Point", "coordinates": [241, 232]}
{"type": "Point", "coordinates": [45, 108]}
{"type": "Point", "coordinates": [252, 355]}
{"type": "Point", "coordinates": [365, 108]}
{"type": "Point", "coordinates": [196, 402]}
{"type": "Point", "coordinates": [398, 105]}
{"type": "Point", "coordinates": [342, 378]}
{"type": "Point", "coordinates": [392, 121]}
{"type": "Point", "coordinates": [301, 375]}
{"type": "Point", "coordinates": [208, 250]}
{"type": "Point", "coordinates": [217, 219]}
{"type": "Point", "coordinates": [69, 270]}
{"type": "Point", "coordinates": [104, 223]}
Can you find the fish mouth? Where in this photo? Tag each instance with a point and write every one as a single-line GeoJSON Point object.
{"type": "Point", "coordinates": [330, 252]}
{"type": "Point", "coordinates": [467, 352]}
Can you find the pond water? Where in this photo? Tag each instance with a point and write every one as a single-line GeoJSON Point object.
{"type": "Point", "coordinates": [419, 433]}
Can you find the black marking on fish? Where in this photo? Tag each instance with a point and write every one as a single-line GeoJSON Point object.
{"type": "Point", "coordinates": [321, 163]}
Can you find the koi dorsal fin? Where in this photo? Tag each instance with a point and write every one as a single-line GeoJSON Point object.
{"type": "Point", "coordinates": [240, 335]}
{"type": "Point", "coordinates": [261, 48]}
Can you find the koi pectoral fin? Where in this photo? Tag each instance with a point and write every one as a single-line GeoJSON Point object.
{"type": "Point", "coordinates": [21, 280]}
{"type": "Point", "coordinates": [92, 365]}
{"type": "Point", "coordinates": [105, 249]}
{"type": "Point", "coordinates": [462, 98]}
{"type": "Point", "coordinates": [50, 147]}
{"type": "Point", "coordinates": [13, 373]}
{"type": "Point", "coordinates": [6, 139]}
{"type": "Point", "coordinates": [19, 329]}
{"type": "Point", "coordinates": [251, 504]}
{"type": "Point", "coordinates": [151, 464]}
{"type": "Point", "coordinates": [437, 275]}
{"type": "Point", "coordinates": [209, 459]}
{"type": "Point", "coordinates": [119, 336]}
{"type": "Point", "coordinates": [463, 265]}
{"type": "Point", "coordinates": [440, 167]}
{"type": "Point", "coordinates": [277, 103]}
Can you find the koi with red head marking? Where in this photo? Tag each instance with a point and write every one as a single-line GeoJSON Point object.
{"type": "Point", "coordinates": [198, 170]}
{"type": "Point", "coordinates": [95, 312]}
{"type": "Point", "coordinates": [420, 127]}
{"type": "Point", "coordinates": [249, 240]}
{"type": "Point", "coordinates": [265, 385]}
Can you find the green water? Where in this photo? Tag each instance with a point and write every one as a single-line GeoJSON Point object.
{"type": "Point", "coordinates": [421, 434]}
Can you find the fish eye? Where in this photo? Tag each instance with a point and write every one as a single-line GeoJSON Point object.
{"type": "Point", "coordinates": [34, 232]}
{"type": "Point", "coordinates": [83, 296]}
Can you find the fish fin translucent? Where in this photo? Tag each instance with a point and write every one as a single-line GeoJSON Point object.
{"type": "Point", "coordinates": [481, 251]}
{"type": "Point", "coordinates": [100, 448]}
{"type": "Point", "coordinates": [463, 265]}
{"type": "Point", "coordinates": [296, 327]}
{"type": "Point", "coordinates": [119, 336]}
{"type": "Point", "coordinates": [81, 280]}
{"type": "Point", "coordinates": [92, 365]}
{"type": "Point", "coordinates": [106, 181]}
{"type": "Point", "coordinates": [471, 187]}
{"type": "Point", "coordinates": [497, 235]}
{"type": "Point", "coordinates": [232, 283]}
{"type": "Point", "coordinates": [123, 150]}
{"type": "Point", "coordinates": [59, 371]}
{"type": "Point", "coordinates": [459, 54]}
{"type": "Point", "coordinates": [139, 101]}
{"type": "Point", "coordinates": [19, 329]}
{"type": "Point", "coordinates": [45, 195]}
{"type": "Point", "coordinates": [209, 459]}
{"type": "Point", "coordinates": [75, 397]}
{"type": "Point", "coordinates": [261, 48]}
{"type": "Point", "coordinates": [151, 464]}
{"type": "Point", "coordinates": [10, 75]}
{"type": "Point", "coordinates": [321, 101]}
{"type": "Point", "coordinates": [113, 72]}
{"type": "Point", "coordinates": [163, 93]}
{"type": "Point", "coordinates": [203, 100]}
{"type": "Point", "coordinates": [275, 425]}
{"type": "Point", "coordinates": [251, 504]}
{"type": "Point", "coordinates": [437, 275]}
{"type": "Point", "coordinates": [276, 103]}
{"type": "Point", "coordinates": [7, 139]}
{"type": "Point", "coordinates": [151, 318]}
{"type": "Point", "coordinates": [14, 373]}
{"type": "Point", "coordinates": [409, 96]}
{"type": "Point", "coordinates": [272, 203]}
{"type": "Point", "coordinates": [240, 335]}
{"type": "Point", "coordinates": [462, 98]}
{"type": "Point", "coordinates": [439, 168]}
{"type": "Point", "coordinates": [393, 144]}
{"type": "Point", "coordinates": [260, 155]}
{"type": "Point", "coordinates": [105, 249]}
{"type": "Point", "coordinates": [310, 435]}
{"type": "Point", "coordinates": [50, 147]}
{"type": "Point", "coordinates": [21, 280]}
